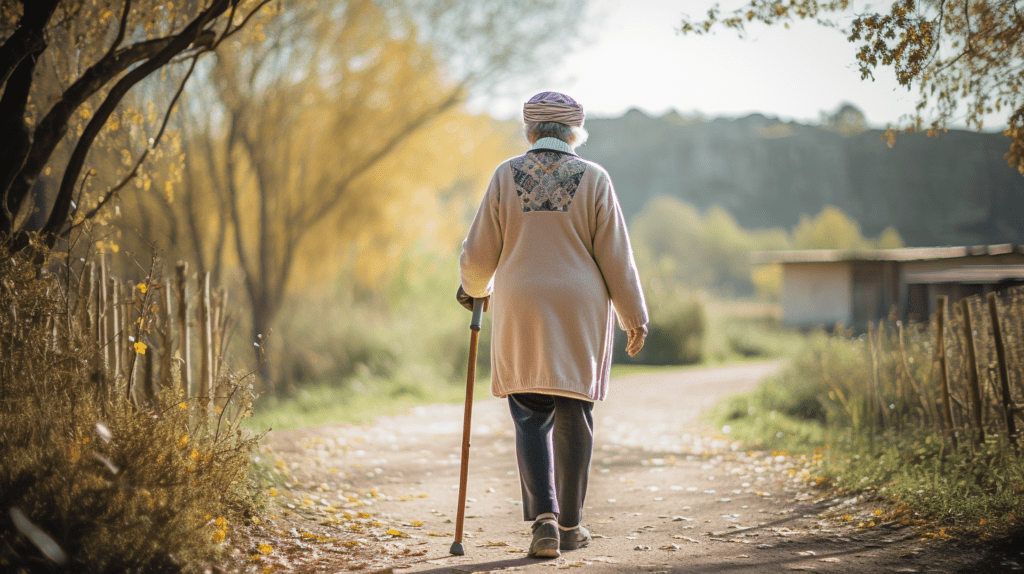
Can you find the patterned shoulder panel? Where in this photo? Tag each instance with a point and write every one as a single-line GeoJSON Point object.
{"type": "Point", "coordinates": [547, 180]}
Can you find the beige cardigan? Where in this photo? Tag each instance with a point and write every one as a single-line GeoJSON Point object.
{"type": "Point", "coordinates": [549, 245]}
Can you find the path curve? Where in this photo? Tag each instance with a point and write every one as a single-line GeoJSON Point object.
{"type": "Point", "coordinates": [665, 494]}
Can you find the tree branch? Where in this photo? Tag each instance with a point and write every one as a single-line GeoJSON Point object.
{"type": "Point", "coordinates": [156, 140]}
{"type": "Point", "coordinates": [121, 28]}
{"type": "Point", "coordinates": [339, 190]}
{"type": "Point", "coordinates": [28, 37]}
{"type": "Point", "coordinates": [52, 128]}
{"type": "Point", "coordinates": [181, 42]}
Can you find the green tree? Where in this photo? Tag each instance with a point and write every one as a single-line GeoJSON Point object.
{"type": "Point", "coordinates": [292, 127]}
{"type": "Point", "coordinates": [65, 67]}
{"type": "Point", "coordinates": [830, 229]}
{"type": "Point", "coordinates": [964, 57]}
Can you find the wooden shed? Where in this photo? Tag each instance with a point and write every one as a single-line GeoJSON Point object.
{"type": "Point", "coordinates": [822, 288]}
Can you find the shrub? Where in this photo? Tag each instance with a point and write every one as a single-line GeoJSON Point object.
{"type": "Point", "coordinates": [675, 334]}
{"type": "Point", "coordinates": [90, 482]}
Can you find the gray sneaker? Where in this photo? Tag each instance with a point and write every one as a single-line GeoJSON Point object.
{"type": "Point", "coordinates": [572, 539]}
{"type": "Point", "coordinates": [545, 540]}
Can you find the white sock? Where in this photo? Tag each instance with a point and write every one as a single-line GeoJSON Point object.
{"type": "Point", "coordinates": [546, 516]}
{"type": "Point", "coordinates": [560, 527]}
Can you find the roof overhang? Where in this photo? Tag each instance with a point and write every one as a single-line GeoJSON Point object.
{"type": "Point", "coordinates": [903, 254]}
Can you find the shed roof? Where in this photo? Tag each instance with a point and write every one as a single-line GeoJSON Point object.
{"type": "Point", "coordinates": [984, 274]}
{"type": "Point", "coordinates": [903, 254]}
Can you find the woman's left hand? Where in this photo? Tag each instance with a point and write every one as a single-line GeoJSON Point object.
{"type": "Point", "coordinates": [636, 339]}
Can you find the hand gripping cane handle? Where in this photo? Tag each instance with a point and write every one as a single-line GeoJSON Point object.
{"type": "Point", "coordinates": [478, 314]}
{"type": "Point", "coordinates": [474, 327]}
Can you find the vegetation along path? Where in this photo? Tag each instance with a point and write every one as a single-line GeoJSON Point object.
{"type": "Point", "coordinates": [665, 496]}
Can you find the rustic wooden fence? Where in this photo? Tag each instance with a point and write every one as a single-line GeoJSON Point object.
{"type": "Point", "coordinates": [157, 334]}
{"type": "Point", "coordinates": [960, 375]}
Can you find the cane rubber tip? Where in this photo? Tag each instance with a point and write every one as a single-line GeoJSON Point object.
{"type": "Point", "coordinates": [457, 549]}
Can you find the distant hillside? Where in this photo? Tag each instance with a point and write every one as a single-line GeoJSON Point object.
{"type": "Point", "coordinates": [951, 190]}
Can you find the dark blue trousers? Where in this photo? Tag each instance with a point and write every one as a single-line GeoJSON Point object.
{"type": "Point", "coordinates": [554, 444]}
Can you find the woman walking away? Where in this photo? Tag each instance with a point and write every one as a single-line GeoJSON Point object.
{"type": "Point", "coordinates": [549, 242]}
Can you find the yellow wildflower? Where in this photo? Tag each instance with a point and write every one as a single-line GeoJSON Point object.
{"type": "Point", "coordinates": [142, 288]}
{"type": "Point", "coordinates": [218, 536]}
{"type": "Point", "coordinates": [183, 441]}
{"type": "Point", "coordinates": [266, 548]}
{"type": "Point", "coordinates": [140, 348]}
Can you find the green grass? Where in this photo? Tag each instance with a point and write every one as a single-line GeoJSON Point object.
{"type": "Point", "coordinates": [973, 489]}
{"type": "Point", "coordinates": [324, 403]}
{"type": "Point", "coordinates": [362, 403]}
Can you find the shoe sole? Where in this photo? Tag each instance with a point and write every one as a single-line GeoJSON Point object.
{"type": "Point", "coordinates": [546, 553]}
{"type": "Point", "coordinates": [548, 548]}
{"type": "Point", "coordinates": [573, 547]}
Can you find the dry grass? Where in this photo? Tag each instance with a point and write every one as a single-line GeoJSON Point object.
{"type": "Point", "coordinates": [90, 482]}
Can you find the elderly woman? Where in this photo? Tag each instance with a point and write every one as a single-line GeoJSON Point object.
{"type": "Point", "coordinates": [549, 243]}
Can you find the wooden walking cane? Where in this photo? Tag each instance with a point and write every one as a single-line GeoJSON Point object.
{"type": "Point", "coordinates": [474, 327]}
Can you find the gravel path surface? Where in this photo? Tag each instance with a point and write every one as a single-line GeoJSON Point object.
{"type": "Point", "coordinates": [665, 496]}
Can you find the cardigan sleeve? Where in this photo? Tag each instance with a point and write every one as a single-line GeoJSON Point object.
{"type": "Point", "coordinates": [482, 246]}
{"type": "Point", "coordinates": [614, 257]}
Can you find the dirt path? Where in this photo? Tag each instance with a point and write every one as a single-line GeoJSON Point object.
{"type": "Point", "coordinates": [665, 496]}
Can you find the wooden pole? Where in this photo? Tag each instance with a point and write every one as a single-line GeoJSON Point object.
{"type": "Point", "coordinates": [116, 331]}
{"type": "Point", "coordinates": [872, 413]}
{"type": "Point", "coordinates": [94, 301]}
{"type": "Point", "coordinates": [103, 315]}
{"type": "Point", "coordinates": [977, 412]}
{"type": "Point", "coordinates": [205, 347]}
{"type": "Point", "coordinates": [131, 356]}
{"type": "Point", "coordinates": [940, 352]}
{"type": "Point", "coordinates": [85, 297]}
{"type": "Point", "coordinates": [181, 275]}
{"type": "Point", "coordinates": [880, 384]}
{"type": "Point", "coordinates": [166, 335]}
{"type": "Point", "coordinates": [1004, 374]}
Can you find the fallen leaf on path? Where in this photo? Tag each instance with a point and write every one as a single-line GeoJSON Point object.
{"type": "Point", "coordinates": [670, 547]}
{"type": "Point", "coordinates": [830, 559]}
{"type": "Point", "coordinates": [686, 538]}
{"type": "Point", "coordinates": [489, 543]}
{"type": "Point", "coordinates": [806, 553]}
{"type": "Point", "coordinates": [642, 547]}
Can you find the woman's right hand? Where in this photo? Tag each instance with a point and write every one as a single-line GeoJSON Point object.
{"type": "Point", "coordinates": [635, 341]}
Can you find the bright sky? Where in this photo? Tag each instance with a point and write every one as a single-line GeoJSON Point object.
{"type": "Point", "coordinates": [630, 56]}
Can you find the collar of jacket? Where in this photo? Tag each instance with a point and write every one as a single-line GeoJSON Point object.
{"type": "Point", "coordinates": [554, 144]}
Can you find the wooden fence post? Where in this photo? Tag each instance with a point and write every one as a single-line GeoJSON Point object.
{"type": "Point", "coordinates": [940, 352]}
{"type": "Point", "coordinates": [85, 297]}
{"type": "Point", "coordinates": [1004, 375]}
{"type": "Point", "coordinates": [94, 301]}
{"type": "Point", "coordinates": [977, 412]}
{"type": "Point", "coordinates": [130, 337]}
{"type": "Point", "coordinates": [116, 331]}
{"type": "Point", "coordinates": [886, 414]}
{"type": "Point", "coordinates": [166, 335]}
{"type": "Point", "coordinates": [103, 317]}
{"type": "Point", "coordinates": [205, 347]}
{"type": "Point", "coordinates": [181, 275]}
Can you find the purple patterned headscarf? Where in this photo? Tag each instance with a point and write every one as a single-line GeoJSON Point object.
{"type": "Point", "coordinates": [553, 107]}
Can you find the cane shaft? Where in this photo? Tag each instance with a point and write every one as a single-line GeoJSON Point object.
{"type": "Point", "coordinates": [467, 419]}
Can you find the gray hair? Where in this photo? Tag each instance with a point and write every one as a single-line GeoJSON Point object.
{"type": "Point", "coordinates": [572, 135]}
